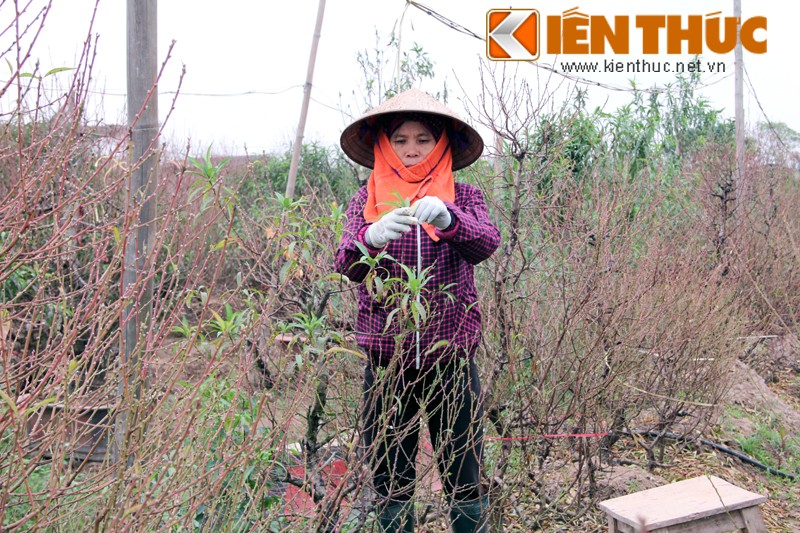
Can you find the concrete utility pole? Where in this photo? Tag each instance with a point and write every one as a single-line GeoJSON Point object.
{"type": "Point", "coordinates": [298, 140]}
{"type": "Point", "coordinates": [739, 101]}
{"type": "Point", "coordinates": [137, 286]}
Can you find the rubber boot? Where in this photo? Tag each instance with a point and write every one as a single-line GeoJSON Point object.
{"type": "Point", "coordinates": [470, 516]}
{"type": "Point", "coordinates": [397, 517]}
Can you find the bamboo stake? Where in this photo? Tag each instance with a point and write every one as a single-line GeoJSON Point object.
{"type": "Point", "coordinates": [298, 140]}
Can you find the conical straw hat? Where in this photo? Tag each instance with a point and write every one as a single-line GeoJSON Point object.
{"type": "Point", "coordinates": [357, 138]}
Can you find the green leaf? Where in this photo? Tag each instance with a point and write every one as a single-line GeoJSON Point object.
{"type": "Point", "coordinates": [11, 404]}
{"type": "Point", "coordinates": [57, 70]}
{"type": "Point", "coordinates": [415, 314]}
{"type": "Point", "coordinates": [38, 405]}
{"type": "Point", "coordinates": [132, 510]}
{"type": "Point", "coordinates": [379, 288]}
{"type": "Point", "coordinates": [399, 202]}
{"type": "Point", "coordinates": [285, 270]}
{"type": "Point", "coordinates": [335, 276]}
{"type": "Point", "coordinates": [414, 285]}
{"type": "Point", "coordinates": [340, 349]}
{"type": "Point", "coordinates": [423, 314]}
{"type": "Point", "coordinates": [436, 346]}
{"type": "Point", "coordinates": [363, 249]}
{"type": "Point", "coordinates": [73, 365]}
{"type": "Point", "coordinates": [389, 319]}
{"type": "Point", "coordinates": [221, 244]}
{"type": "Point", "coordinates": [409, 272]}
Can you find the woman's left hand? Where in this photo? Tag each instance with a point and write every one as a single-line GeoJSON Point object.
{"type": "Point", "coordinates": [432, 210]}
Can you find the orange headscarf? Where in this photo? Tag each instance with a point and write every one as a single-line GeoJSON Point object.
{"type": "Point", "coordinates": [390, 177]}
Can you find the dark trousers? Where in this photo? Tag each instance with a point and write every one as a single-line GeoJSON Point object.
{"type": "Point", "coordinates": [448, 396]}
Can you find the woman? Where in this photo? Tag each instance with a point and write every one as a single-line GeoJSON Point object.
{"type": "Point", "coordinates": [426, 368]}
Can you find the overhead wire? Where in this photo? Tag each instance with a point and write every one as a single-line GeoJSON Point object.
{"type": "Point", "coordinates": [188, 93]}
{"type": "Point", "coordinates": [243, 93]}
{"type": "Point", "coordinates": [769, 122]}
{"type": "Point", "coordinates": [216, 95]}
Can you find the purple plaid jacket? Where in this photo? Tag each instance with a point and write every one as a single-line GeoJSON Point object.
{"type": "Point", "coordinates": [454, 315]}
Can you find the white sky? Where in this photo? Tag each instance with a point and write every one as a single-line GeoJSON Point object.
{"type": "Point", "coordinates": [241, 46]}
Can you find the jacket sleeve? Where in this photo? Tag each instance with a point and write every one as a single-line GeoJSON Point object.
{"type": "Point", "coordinates": [348, 254]}
{"type": "Point", "coordinates": [472, 234]}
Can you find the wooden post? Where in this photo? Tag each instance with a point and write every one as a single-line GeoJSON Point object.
{"type": "Point", "coordinates": [298, 140]}
{"type": "Point", "coordinates": [137, 285]}
{"type": "Point", "coordinates": [738, 66]}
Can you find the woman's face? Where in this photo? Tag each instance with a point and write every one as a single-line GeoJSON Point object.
{"type": "Point", "coordinates": [412, 142]}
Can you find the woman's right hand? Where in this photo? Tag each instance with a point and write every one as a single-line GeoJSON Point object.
{"type": "Point", "coordinates": [389, 227]}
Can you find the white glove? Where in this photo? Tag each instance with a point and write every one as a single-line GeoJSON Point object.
{"type": "Point", "coordinates": [432, 210]}
{"type": "Point", "coordinates": [389, 227]}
